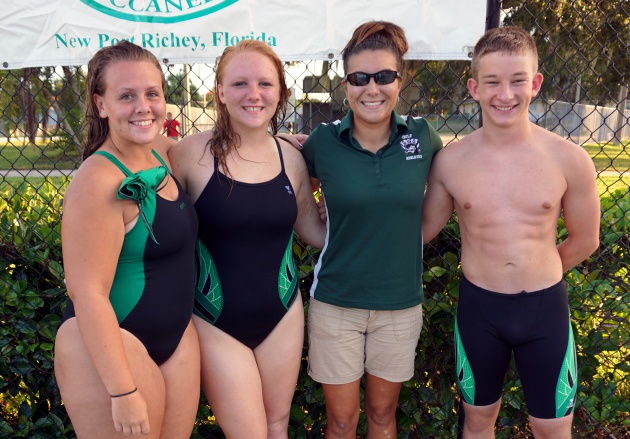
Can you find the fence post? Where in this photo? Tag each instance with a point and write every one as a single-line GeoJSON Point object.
{"type": "Point", "coordinates": [622, 103]}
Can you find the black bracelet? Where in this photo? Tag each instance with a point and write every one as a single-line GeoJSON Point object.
{"type": "Point", "coordinates": [124, 394]}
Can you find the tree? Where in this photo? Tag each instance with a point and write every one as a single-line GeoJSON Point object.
{"type": "Point", "coordinates": [582, 45]}
{"type": "Point", "coordinates": [175, 90]}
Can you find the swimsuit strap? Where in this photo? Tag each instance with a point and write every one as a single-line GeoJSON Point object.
{"type": "Point", "coordinates": [280, 153]}
{"type": "Point", "coordinates": [141, 186]}
{"type": "Point", "coordinates": [157, 156]}
{"type": "Point", "coordinates": [216, 160]}
{"type": "Point", "coordinates": [123, 168]}
{"type": "Point", "coordinates": [115, 161]}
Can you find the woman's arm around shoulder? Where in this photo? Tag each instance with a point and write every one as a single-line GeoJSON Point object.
{"type": "Point", "coordinates": [308, 225]}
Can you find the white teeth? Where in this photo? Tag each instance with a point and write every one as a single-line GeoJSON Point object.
{"type": "Point", "coordinates": [504, 108]}
{"type": "Point", "coordinates": [372, 104]}
{"type": "Point", "coordinates": [143, 123]}
{"type": "Point", "coordinates": [253, 108]}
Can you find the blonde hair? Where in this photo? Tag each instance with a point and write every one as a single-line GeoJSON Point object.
{"type": "Point", "coordinates": [508, 39]}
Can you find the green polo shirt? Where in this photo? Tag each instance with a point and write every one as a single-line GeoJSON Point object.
{"type": "Point", "coordinates": [373, 253]}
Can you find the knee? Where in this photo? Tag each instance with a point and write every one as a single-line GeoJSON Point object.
{"type": "Point", "coordinates": [341, 426]}
{"type": "Point", "coordinates": [556, 428]}
{"type": "Point", "coordinates": [278, 428]}
{"type": "Point", "coordinates": [478, 422]}
{"type": "Point", "coordinates": [381, 414]}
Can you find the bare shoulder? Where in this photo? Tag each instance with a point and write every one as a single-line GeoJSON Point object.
{"type": "Point", "coordinates": [95, 183]}
{"type": "Point", "coordinates": [568, 154]}
{"type": "Point", "coordinates": [190, 152]}
{"type": "Point", "coordinates": [292, 157]}
{"type": "Point", "coordinates": [191, 145]}
{"type": "Point", "coordinates": [162, 145]}
{"type": "Point", "coordinates": [455, 152]}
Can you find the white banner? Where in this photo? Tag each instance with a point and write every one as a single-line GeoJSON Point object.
{"type": "Point", "coordinates": [38, 33]}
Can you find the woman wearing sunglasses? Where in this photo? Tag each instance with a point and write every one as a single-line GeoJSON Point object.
{"type": "Point", "coordinates": [365, 312]}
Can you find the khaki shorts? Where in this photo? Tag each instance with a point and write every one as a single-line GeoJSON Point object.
{"type": "Point", "coordinates": [345, 342]}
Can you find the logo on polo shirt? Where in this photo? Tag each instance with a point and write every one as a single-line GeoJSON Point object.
{"type": "Point", "coordinates": [411, 147]}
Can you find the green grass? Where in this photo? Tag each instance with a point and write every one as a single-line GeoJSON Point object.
{"type": "Point", "coordinates": [608, 157]}
{"type": "Point", "coordinates": [606, 184]}
{"type": "Point", "coordinates": [40, 156]}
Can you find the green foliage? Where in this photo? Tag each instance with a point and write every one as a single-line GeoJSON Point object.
{"type": "Point", "coordinates": [31, 296]}
{"type": "Point", "coordinates": [600, 313]}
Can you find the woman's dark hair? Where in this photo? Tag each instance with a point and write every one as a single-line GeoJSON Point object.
{"type": "Point", "coordinates": [97, 127]}
{"type": "Point", "coordinates": [377, 35]}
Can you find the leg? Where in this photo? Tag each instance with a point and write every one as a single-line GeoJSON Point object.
{"type": "Point", "coordinates": [231, 381]}
{"type": "Point", "coordinates": [381, 400]}
{"type": "Point", "coordinates": [336, 358]}
{"type": "Point", "coordinates": [342, 410]}
{"type": "Point", "coordinates": [557, 428]}
{"type": "Point", "coordinates": [181, 378]}
{"type": "Point", "coordinates": [479, 421]}
{"type": "Point", "coordinates": [84, 394]}
{"type": "Point", "coordinates": [278, 359]}
{"type": "Point", "coordinates": [482, 358]}
{"type": "Point", "coordinates": [547, 367]}
{"type": "Point", "coordinates": [390, 350]}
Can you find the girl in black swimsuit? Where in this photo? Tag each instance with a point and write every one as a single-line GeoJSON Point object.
{"type": "Point", "coordinates": [250, 191]}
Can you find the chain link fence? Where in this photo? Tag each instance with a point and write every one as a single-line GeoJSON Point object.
{"type": "Point", "coordinates": [584, 56]}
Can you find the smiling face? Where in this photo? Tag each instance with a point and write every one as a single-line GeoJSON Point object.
{"type": "Point", "coordinates": [504, 85]}
{"type": "Point", "coordinates": [133, 102]}
{"type": "Point", "coordinates": [372, 104]}
{"type": "Point", "coordinates": [250, 90]}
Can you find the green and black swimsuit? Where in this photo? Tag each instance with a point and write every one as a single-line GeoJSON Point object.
{"type": "Point", "coordinates": [153, 289]}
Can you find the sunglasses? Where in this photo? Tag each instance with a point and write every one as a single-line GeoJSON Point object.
{"type": "Point", "coordinates": [384, 77]}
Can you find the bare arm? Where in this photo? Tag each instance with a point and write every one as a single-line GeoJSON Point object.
{"type": "Point", "coordinates": [308, 225]}
{"type": "Point", "coordinates": [296, 140]}
{"type": "Point", "coordinates": [92, 234]}
{"type": "Point", "coordinates": [438, 203]}
{"type": "Point", "coordinates": [580, 205]}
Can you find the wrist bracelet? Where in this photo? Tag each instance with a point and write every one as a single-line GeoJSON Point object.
{"type": "Point", "coordinates": [124, 394]}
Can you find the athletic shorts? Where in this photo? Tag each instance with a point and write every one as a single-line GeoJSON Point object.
{"type": "Point", "coordinates": [345, 342]}
{"type": "Point", "coordinates": [489, 326]}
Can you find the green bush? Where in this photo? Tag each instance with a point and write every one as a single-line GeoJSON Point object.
{"type": "Point", "coordinates": [32, 295]}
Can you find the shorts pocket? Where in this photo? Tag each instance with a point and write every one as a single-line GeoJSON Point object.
{"type": "Point", "coordinates": [407, 323]}
{"type": "Point", "coordinates": [324, 320]}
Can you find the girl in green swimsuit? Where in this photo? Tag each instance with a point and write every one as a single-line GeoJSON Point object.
{"type": "Point", "coordinates": [127, 354]}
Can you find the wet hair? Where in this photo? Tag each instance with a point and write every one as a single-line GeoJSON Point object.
{"type": "Point", "coordinates": [97, 127]}
{"type": "Point", "coordinates": [377, 35]}
{"type": "Point", "coordinates": [508, 39]}
{"type": "Point", "coordinates": [224, 138]}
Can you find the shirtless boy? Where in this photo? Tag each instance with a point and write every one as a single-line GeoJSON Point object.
{"type": "Point", "coordinates": [508, 182]}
